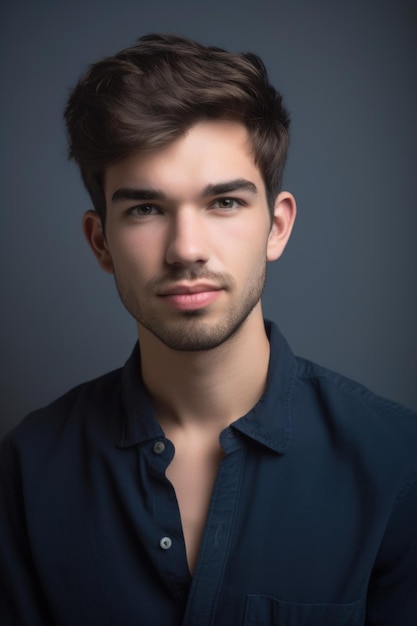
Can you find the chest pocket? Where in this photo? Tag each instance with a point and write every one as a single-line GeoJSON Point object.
{"type": "Point", "coordinates": [266, 611]}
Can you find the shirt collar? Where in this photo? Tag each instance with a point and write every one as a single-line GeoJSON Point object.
{"type": "Point", "coordinates": [139, 423]}
{"type": "Point", "coordinates": [268, 422]}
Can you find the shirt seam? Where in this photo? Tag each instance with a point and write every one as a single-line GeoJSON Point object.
{"type": "Point", "coordinates": [353, 388]}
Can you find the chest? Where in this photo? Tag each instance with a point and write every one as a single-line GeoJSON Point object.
{"type": "Point", "coordinates": [193, 473]}
{"type": "Point", "coordinates": [270, 535]}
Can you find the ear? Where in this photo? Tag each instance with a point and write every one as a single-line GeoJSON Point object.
{"type": "Point", "coordinates": [96, 239]}
{"type": "Point", "coordinates": [285, 210]}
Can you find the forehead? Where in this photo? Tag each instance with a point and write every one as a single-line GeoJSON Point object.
{"type": "Point", "coordinates": [209, 152]}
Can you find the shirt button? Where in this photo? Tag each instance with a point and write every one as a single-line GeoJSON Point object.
{"type": "Point", "coordinates": [165, 543]}
{"type": "Point", "coordinates": [159, 447]}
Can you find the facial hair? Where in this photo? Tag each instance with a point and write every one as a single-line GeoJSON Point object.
{"type": "Point", "coordinates": [191, 331]}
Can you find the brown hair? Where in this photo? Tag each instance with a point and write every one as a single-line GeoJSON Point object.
{"type": "Point", "coordinates": [148, 95]}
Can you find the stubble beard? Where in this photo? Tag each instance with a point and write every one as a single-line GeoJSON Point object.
{"type": "Point", "coordinates": [189, 331]}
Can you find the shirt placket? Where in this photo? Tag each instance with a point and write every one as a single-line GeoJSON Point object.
{"type": "Point", "coordinates": [166, 542]}
{"type": "Point", "coordinates": [202, 598]}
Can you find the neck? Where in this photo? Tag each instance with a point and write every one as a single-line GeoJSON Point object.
{"type": "Point", "coordinates": [207, 389]}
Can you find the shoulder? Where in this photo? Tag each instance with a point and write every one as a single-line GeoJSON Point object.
{"type": "Point", "coordinates": [313, 388]}
{"type": "Point", "coordinates": [335, 387]}
{"type": "Point", "coordinates": [45, 427]}
{"type": "Point", "coordinates": [355, 416]}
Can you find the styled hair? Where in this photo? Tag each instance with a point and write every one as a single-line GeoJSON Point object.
{"type": "Point", "coordinates": [150, 94]}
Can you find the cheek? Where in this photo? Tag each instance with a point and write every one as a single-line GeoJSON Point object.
{"type": "Point", "coordinates": [134, 260]}
{"type": "Point", "coordinates": [250, 247]}
{"type": "Point", "coordinates": [246, 238]}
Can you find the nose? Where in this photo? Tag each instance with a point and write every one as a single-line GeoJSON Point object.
{"type": "Point", "coordinates": [187, 239]}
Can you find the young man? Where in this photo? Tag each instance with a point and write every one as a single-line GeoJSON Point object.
{"type": "Point", "coordinates": [216, 479]}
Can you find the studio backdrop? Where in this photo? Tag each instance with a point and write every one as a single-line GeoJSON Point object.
{"type": "Point", "coordinates": [344, 293]}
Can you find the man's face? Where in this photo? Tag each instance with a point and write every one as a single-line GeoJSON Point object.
{"type": "Point", "coordinates": [187, 235]}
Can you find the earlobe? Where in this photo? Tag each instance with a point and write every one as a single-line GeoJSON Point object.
{"type": "Point", "coordinates": [96, 239]}
{"type": "Point", "coordinates": [285, 211]}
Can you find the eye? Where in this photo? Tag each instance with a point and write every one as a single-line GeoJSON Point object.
{"type": "Point", "coordinates": [143, 210]}
{"type": "Point", "coordinates": [227, 204]}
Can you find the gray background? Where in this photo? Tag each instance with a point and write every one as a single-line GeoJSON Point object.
{"type": "Point", "coordinates": [345, 291]}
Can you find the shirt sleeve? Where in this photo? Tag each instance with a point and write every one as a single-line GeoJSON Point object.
{"type": "Point", "coordinates": [22, 602]}
{"type": "Point", "coordinates": [392, 595]}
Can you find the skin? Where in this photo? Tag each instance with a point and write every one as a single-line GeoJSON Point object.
{"type": "Point", "coordinates": [188, 235]}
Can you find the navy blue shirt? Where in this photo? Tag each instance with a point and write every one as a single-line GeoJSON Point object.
{"type": "Point", "coordinates": [312, 520]}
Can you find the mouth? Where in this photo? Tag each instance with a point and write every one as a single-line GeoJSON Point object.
{"type": "Point", "coordinates": [190, 297]}
{"type": "Point", "coordinates": [188, 289]}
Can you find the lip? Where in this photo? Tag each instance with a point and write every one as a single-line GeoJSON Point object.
{"type": "Point", "coordinates": [187, 288]}
{"type": "Point", "coordinates": [186, 297]}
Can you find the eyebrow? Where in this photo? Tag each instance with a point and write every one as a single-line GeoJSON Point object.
{"type": "Point", "coordinates": [216, 189]}
{"type": "Point", "coordinates": [132, 193]}
{"type": "Point", "coordinates": [239, 184]}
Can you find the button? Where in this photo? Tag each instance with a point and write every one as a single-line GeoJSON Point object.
{"type": "Point", "coordinates": [165, 543]}
{"type": "Point", "coordinates": [159, 447]}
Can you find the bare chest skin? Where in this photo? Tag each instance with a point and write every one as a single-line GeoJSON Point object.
{"type": "Point", "coordinates": [192, 473]}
